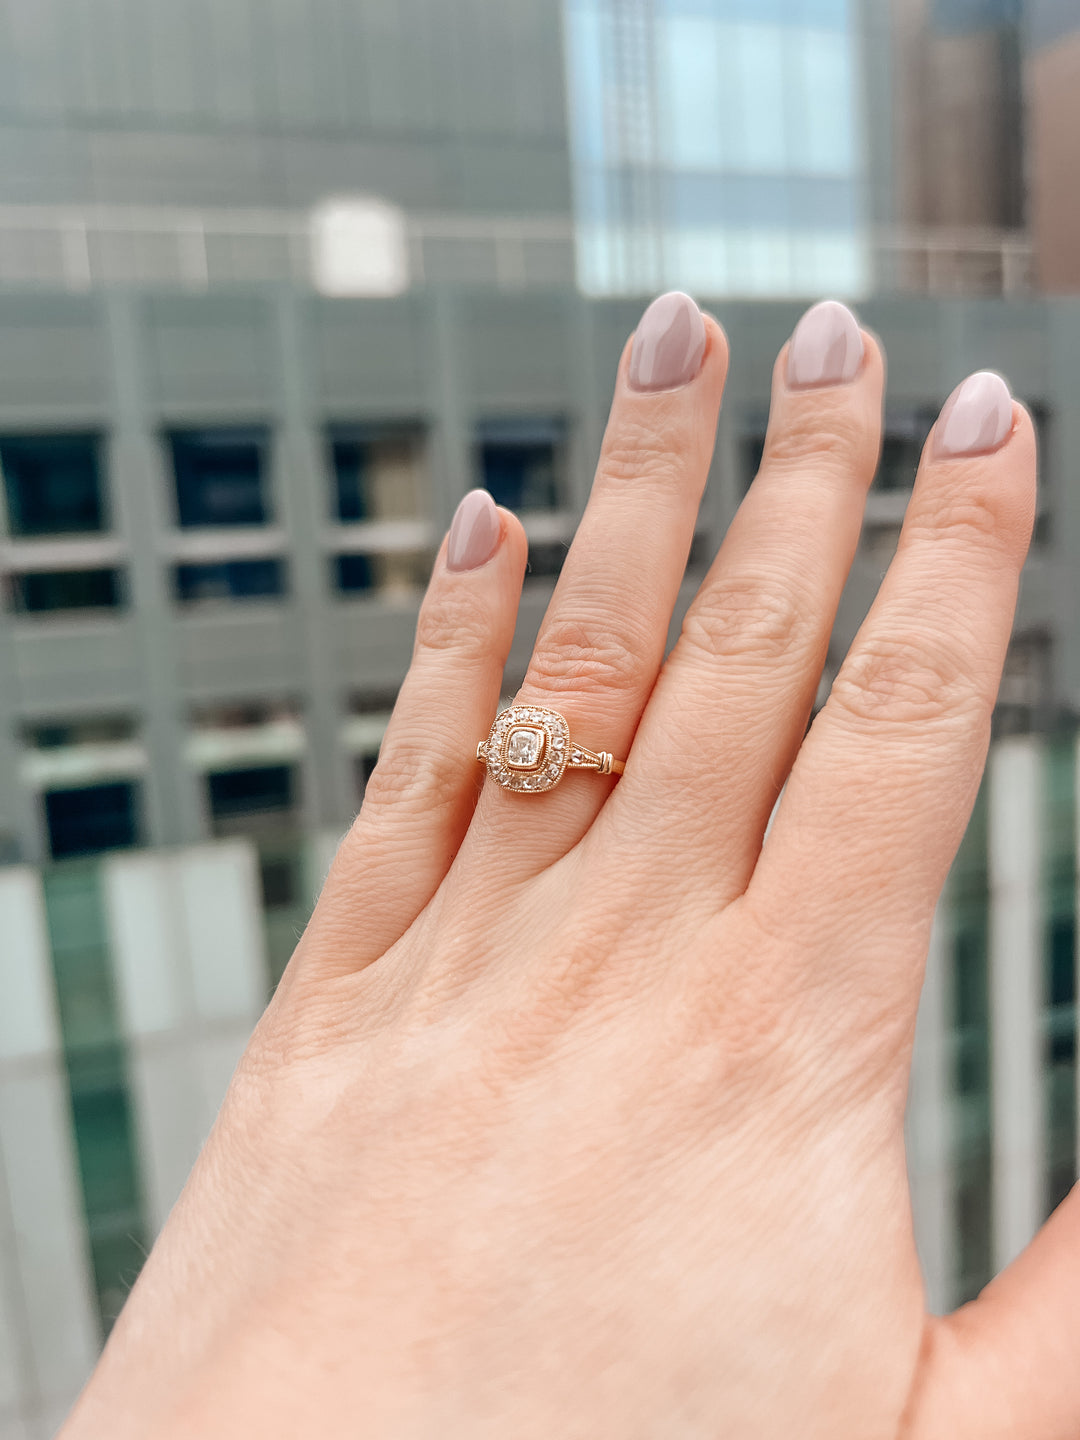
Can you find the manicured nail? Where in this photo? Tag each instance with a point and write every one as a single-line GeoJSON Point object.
{"type": "Point", "coordinates": [827, 347]}
{"type": "Point", "coordinates": [976, 417]}
{"type": "Point", "coordinates": [474, 532]}
{"type": "Point", "coordinates": [669, 344]}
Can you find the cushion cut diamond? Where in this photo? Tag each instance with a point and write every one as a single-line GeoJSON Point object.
{"type": "Point", "coordinates": [524, 747]}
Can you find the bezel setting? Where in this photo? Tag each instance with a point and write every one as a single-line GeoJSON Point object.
{"type": "Point", "coordinates": [554, 756]}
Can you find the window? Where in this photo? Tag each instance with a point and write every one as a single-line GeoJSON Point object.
{"type": "Point", "coordinates": [546, 559]}
{"type": "Point", "coordinates": [34, 592]}
{"type": "Point", "coordinates": [52, 484]}
{"type": "Point", "coordinates": [93, 818]}
{"type": "Point", "coordinates": [60, 734]}
{"type": "Point", "coordinates": [522, 463]}
{"type": "Point", "coordinates": [220, 476]}
{"type": "Point", "coordinates": [901, 447]}
{"type": "Point", "coordinates": [378, 473]}
{"type": "Point", "coordinates": [230, 580]}
{"type": "Point", "coordinates": [354, 573]}
{"type": "Point", "coordinates": [400, 574]}
{"type": "Point", "coordinates": [237, 796]}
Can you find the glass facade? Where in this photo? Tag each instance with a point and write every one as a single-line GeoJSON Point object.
{"type": "Point", "coordinates": [96, 1063]}
{"type": "Point", "coordinates": [715, 146]}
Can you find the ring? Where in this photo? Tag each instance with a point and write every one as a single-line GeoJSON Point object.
{"type": "Point", "coordinates": [530, 749]}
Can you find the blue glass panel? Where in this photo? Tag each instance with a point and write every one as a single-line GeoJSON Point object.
{"type": "Point", "coordinates": [690, 114]}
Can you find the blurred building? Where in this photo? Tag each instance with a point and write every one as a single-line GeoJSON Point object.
{"type": "Point", "coordinates": [274, 293]}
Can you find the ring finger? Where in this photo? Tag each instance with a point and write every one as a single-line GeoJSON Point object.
{"type": "Point", "coordinates": [602, 639]}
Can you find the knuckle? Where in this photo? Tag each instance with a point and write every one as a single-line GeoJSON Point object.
{"type": "Point", "coordinates": [745, 616]}
{"type": "Point", "coordinates": [834, 437]}
{"type": "Point", "coordinates": [409, 777]}
{"type": "Point", "coordinates": [637, 453]}
{"type": "Point", "coordinates": [454, 622]}
{"type": "Point", "coordinates": [971, 515]}
{"type": "Point", "coordinates": [907, 680]}
{"type": "Point", "coordinates": [584, 657]}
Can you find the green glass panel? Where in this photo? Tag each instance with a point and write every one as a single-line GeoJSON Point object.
{"type": "Point", "coordinates": [969, 919]}
{"type": "Point", "coordinates": [97, 1077]}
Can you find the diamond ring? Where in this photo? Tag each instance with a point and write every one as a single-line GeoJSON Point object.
{"type": "Point", "coordinates": [529, 748]}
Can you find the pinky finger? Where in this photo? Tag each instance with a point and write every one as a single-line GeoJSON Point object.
{"type": "Point", "coordinates": [420, 797]}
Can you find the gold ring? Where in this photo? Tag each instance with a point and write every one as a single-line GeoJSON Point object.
{"type": "Point", "coordinates": [529, 748]}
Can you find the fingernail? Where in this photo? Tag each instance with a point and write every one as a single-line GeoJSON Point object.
{"type": "Point", "coordinates": [474, 532]}
{"type": "Point", "coordinates": [826, 348]}
{"type": "Point", "coordinates": [669, 344]}
{"type": "Point", "coordinates": [976, 417]}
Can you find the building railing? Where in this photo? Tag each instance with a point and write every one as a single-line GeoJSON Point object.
{"type": "Point", "coordinates": [79, 248]}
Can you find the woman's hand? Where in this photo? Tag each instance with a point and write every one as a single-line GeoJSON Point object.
{"type": "Point", "coordinates": [580, 1114]}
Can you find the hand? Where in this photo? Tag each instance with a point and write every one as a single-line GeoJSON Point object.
{"type": "Point", "coordinates": [580, 1114]}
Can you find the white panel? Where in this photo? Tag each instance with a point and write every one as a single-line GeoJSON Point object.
{"type": "Point", "coordinates": [188, 955]}
{"type": "Point", "coordinates": [147, 941]}
{"type": "Point", "coordinates": [1016, 995]}
{"type": "Point", "coordinates": [929, 1132]}
{"type": "Point", "coordinates": [51, 1259]}
{"type": "Point", "coordinates": [15, 1377]}
{"type": "Point", "coordinates": [28, 1023]}
{"type": "Point", "coordinates": [165, 1088]}
{"type": "Point", "coordinates": [225, 937]}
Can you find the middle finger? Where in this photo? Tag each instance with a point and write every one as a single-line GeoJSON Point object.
{"type": "Point", "coordinates": [721, 732]}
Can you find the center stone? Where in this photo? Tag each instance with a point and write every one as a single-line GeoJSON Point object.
{"type": "Point", "coordinates": [524, 747]}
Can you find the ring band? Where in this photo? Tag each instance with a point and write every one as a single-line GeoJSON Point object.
{"type": "Point", "coordinates": [530, 749]}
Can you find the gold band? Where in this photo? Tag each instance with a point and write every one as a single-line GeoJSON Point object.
{"type": "Point", "coordinates": [529, 749]}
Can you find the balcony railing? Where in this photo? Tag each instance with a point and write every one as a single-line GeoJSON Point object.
{"type": "Point", "coordinates": [79, 248]}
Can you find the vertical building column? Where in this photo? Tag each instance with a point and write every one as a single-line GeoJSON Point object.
{"type": "Point", "coordinates": [138, 490]}
{"type": "Point", "coordinates": [1016, 994]}
{"type": "Point", "coordinates": [190, 968]}
{"type": "Point", "coordinates": [48, 1331]}
{"type": "Point", "coordinates": [302, 490]}
{"type": "Point", "coordinates": [450, 449]}
{"type": "Point", "coordinates": [929, 1127]}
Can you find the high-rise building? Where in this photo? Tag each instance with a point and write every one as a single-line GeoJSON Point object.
{"type": "Point", "coordinates": [716, 145]}
{"type": "Point", "coordinates": [1052, 88]}
{"type": "Point", "coordinates": [277, 285]}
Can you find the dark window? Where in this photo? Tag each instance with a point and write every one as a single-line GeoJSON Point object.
{"type": "Point", "coordinates": [98, 817]}
{"type": "Point", "coordinates": [52, 483]}
{"type": "Point", "coordinates": [522, 463]}
{"type": "Point", "coordinates": [546, 559]}
{"type": "Point", "coordinates": [258, 791]}
{"type": "Point", "coordinates": [230, 580]}
{"type": "Point", "coordinates": [354, 573]}
{"type": "Point", "coordinates": [220, 476]}
{"type": "Point", "coordinates": [751, 449]}
{"type": "Point", "coordinates": [37, 591]}
{"type": "Point", "coordinates": [377, 472]}
{"type": "Point", "coordinates": [901, 447]}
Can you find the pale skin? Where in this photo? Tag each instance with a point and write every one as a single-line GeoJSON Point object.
{"type": "Point", "coordinates": [581, 1114]}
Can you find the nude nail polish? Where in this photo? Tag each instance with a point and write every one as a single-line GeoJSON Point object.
{"type": "Point", "coordinates": [474, 532]}
{"type": "Point", "coordinates": [976, 418]}
{"type": "Point", "coordinates": [826, 348]}
{"type": "Point", "coordinates": [669, 344]}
